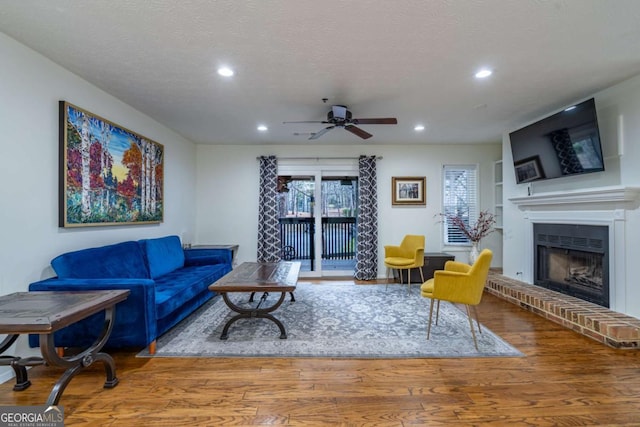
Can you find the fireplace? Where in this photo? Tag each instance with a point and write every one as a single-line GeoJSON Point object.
{"type": "Point", "coordinates": [573, 259]}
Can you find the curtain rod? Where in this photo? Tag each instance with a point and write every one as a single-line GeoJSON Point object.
{"type": "Point", "coordinates": [319, 158]}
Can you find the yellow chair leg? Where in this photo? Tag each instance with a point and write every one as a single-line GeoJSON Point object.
{"type": "Point", "coordinates": [475, 311]}
{"type": "Point", "coordinates": [437, 312]}
{"type": "Point", "coordinates": [473, 332]}
{"type": "Point", "coordinates": [430, 316]}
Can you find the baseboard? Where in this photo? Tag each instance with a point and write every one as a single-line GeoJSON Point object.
{"type": "Point", "coordinates": [7, 375]}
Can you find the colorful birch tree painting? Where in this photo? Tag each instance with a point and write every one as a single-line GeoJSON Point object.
{"type": "Point", "coordinates": [109, 175]}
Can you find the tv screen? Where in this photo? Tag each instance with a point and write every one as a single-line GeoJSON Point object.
{"type": "Point", "coordinates": [564, 144]}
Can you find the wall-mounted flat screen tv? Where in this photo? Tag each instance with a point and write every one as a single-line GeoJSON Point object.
{"type": "Point", "coordinates": [564, 144]}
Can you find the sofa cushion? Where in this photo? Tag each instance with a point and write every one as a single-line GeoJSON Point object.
{"type": "Point", "coordinates": [164, 255]}
{"type": "Point", "coordinates": [174, 289]}
{"type": "Point", "coordinates": [122, 260]}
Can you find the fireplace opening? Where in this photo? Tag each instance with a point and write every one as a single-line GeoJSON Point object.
{"type": "Point", "coordinates": [573, 259]}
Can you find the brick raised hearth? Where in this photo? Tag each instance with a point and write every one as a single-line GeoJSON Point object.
{"type": "Point", "coordinates": [599, 323]}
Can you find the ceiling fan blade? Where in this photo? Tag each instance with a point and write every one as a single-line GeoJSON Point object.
{"type": "Point", "coordinates": [306, 121]}
{"type": "Point", "coordinates": [357, 131]}
{"type": "Point", "coordinates": [320, 133]}
{"type": "Point", "coordinates": [380, 121]}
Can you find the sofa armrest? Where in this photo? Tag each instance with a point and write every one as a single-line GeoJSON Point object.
{"type": "Point", "coordinates": [207, 256]}
{"type": "Point", "coordinates": [135, 321]}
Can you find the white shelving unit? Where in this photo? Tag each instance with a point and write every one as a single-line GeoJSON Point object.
{"type": "Point", "coordinates": [497, 192]}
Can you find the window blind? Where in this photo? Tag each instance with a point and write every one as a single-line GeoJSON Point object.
{"type": "Point", "coordinates": [460, 199]}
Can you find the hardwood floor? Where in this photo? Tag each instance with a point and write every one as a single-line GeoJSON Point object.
{"type": "Point", "coordinates": [565, 379]}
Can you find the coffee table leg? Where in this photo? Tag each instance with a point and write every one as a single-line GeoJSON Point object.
{"type": "Point", "coordinates": [78, 362]}
{"type": "Point", "coordinates": [248, 313]}
{"type": "Point", "coordinates": [22, 378]}
{"type": "Point", "coordinates": [18, 364]}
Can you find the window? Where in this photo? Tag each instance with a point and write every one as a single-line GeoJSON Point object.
{"type": "Point", "coordinates": [460, 198]}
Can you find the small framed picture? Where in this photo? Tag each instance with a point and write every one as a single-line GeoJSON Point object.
{"type": "Point", "coordinates": [529, 169]}
{"type": "Point", "coordinates": [409, 190]}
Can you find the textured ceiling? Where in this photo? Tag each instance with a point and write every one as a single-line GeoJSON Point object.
{"type": "Point", "coordinates": [413, 60]}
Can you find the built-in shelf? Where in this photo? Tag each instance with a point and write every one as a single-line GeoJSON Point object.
{"type": "Point", "coordinates": [497, 193]}
{"type": "Point", "coordinates": [604, 197]}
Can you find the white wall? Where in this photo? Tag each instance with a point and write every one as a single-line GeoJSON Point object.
{"type": "Point", "coordinates": [228, 177]}
{"type": "Point", "coordinates": [618, 110]}
{"type": "Point", "coordinates": [30, 88]}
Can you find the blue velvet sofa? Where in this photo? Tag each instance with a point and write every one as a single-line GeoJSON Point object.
{"type": "Point", "coordinates": [167, 283]}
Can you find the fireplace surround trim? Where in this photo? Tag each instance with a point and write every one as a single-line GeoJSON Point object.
{"type": "Point", "coordinates": [597, 206]}
{"type": "Point", "coordinates": [606, 197]}
{"type": "Point", "coordinates": [614, 219]}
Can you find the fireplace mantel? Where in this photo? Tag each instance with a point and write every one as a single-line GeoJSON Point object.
{"type": "Point", "coordinates": [596, 198]}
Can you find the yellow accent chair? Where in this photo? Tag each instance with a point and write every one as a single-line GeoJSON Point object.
{"type": "Point", "coordinates": [410, 254]}
{"type": "Point", "coordinates": [459, 283]}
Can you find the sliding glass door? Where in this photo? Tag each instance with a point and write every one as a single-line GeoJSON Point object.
{"type": "Point", "coordinates": [339, 203]}
{"type": "Point", "coordinates": [297, 220]}
{"type": "Point", "coordinates": [318, 208]}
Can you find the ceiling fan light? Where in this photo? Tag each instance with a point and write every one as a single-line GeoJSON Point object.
{"type": "Point", "coordinates": [339, 111]}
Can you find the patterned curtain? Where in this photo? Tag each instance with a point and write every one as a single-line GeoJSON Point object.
{"type": "Point", "coordinates": [268, 227]}
{"type": "Point", "coordinates": [367, 237]}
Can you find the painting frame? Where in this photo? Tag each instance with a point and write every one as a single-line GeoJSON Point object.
{"type": "Point", "coordinates": [108, 174]}
{"type": "Point", "coordinates": [529, 169]}
{"type": "Point", "coordinates": [408, 191]}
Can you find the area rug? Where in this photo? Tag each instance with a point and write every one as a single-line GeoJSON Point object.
{"type": "Point", "coordinates": [340, 320]}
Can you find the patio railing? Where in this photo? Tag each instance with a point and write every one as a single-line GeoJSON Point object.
{"type": "Point", "coordinates": [297, 235]}
{"type": "Point", "coordinates": [338, 238]}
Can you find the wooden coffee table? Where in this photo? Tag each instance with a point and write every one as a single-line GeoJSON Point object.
{"type": "Point", "coordinates": [257, 277]}
{"type": "Point", "coordinates": [45, 312]}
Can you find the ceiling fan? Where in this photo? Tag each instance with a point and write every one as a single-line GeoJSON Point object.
{"type": "Point", "coordinates": [340, 117]}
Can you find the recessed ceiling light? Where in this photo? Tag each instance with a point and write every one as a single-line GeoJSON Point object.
{"type": "Point", "coordinates": [419, 128]}
{"type": "Point", "coordinates": [262, 128]}
{"type": "Point", "coordinates": [484, 73]}
{"type": "Point", "coordinates": [225, 71]}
